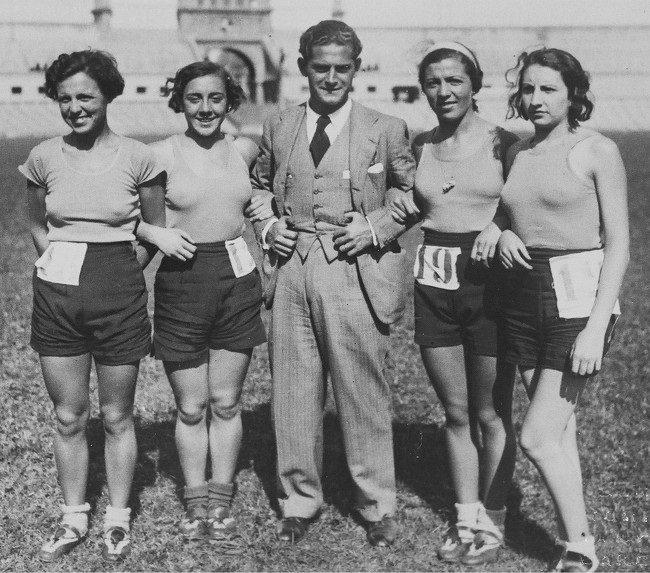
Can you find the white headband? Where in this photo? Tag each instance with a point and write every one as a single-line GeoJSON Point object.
{"type": "Point", "coordinates": [456, 47]}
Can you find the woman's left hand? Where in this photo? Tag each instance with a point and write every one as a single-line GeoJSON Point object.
{"type": "Point", "coordinates": [260, 207]}
{"type": "Point", "coordinates": [587, 352]}
{"type": "Point", "coordinates": [485, 245]}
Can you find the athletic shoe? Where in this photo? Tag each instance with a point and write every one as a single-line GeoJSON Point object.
{"type": "Point", "coordinates": [64, 540]}
{"type": "Point", "coordinates": [116, 544]}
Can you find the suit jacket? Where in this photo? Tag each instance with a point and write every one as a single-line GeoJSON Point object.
{"type": "Point", "coordinates": [375, 139]}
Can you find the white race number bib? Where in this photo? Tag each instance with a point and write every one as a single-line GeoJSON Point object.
{"type": "Point", "coordinates": [240, 258]}
{"type": "Point", "coordinates": [61, 262]}
{"type": "Point", "coordinates": [575, 282]}
{"type": "Point", "coordinates": [436, 267]}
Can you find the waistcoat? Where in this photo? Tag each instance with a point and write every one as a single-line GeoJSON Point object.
{"type": "Point", "coordinates": [317, 197]}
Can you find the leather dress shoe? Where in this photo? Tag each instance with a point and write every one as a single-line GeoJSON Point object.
{"type": "Point", "coordinates": [382, 533]}
{"type": "Point", "coordinates": [292, 529]}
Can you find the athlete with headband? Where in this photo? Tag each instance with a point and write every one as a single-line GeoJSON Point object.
{"type": "Point", "coordinates": [458, 184]}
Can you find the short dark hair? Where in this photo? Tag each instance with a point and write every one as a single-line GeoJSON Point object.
{"type": "Point", "coordinates": [176, 86]}
{"type": "Point", "coordinates": [573, 76]}
{"type": "Point", "coordinates": [473, 71]}
{"type": "Point", "coordinates": [329, 32]}
{"type": "Point", "coordinates": [98, 65]}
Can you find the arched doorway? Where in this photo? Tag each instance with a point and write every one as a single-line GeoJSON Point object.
{"type": "Point", "coordinates": [239, 66]}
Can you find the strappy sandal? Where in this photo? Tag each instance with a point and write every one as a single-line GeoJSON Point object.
{"type": "Point", "coordinates": [64, 540]}
{"type": "Point", "coordinates": [577, 556]}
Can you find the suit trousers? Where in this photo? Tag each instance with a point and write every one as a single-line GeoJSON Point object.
{"type": "Point", "coordinates": [322, 323]}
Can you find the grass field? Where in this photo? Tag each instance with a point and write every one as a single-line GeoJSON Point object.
{"type": "Point", "coordinates": [613, 422]}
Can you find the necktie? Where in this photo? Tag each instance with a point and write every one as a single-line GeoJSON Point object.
{"type": "Point", "coordinates": [320, 142]}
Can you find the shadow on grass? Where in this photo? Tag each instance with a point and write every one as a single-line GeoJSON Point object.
{"type": "Point", "coordinates": [153, 438]}
{"type": "Point", "coordinates": [420, 460]}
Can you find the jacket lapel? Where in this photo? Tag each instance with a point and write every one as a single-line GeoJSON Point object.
{"type": "Point", "coordinates": [363, 148]}
{"type": "Point", "coordinates": [285, 139]}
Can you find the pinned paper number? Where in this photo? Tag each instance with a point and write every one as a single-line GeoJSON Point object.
{"type": "Point", "coordinates": [436, 267]}
{"type": "Point", "coordinates": [575, 282]}
{"type": "Point", "coordinates": [240, 258]}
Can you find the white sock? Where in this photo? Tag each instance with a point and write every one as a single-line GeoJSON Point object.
{"type": "Point", "coordinates": [76, 516]}
{"type": "Point", "coordinates": [492, 521]}
{"type": "Point", "coordinates": [117, 517]}
{"type": "Point", "coordinates": [467, 518]}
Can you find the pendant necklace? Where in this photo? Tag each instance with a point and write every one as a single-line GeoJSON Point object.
{"type": "Point", "coordinates": [449, 181]}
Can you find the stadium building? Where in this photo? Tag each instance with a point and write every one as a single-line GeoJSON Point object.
{"type": "Point", "coordinates": [238, 34]}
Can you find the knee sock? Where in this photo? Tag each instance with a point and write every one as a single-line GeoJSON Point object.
{"type": "Point", "coordinates": [196, 499]}
{"type": "Point", "coordinates": [117, 517]}
{"type": "Point", "coordinates": [76, 516]}
{"type": "Point", "coordinates": [220, 495]}
{"type": "Point", "coordinates": [467, 517]}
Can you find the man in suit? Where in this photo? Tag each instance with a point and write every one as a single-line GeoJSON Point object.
{"type": "Point", "coordinates": [336, 280]}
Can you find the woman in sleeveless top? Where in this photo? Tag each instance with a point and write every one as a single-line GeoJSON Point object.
{"type": "Point", "coordinates": [86, 191]}
{"type": "Point", "coordinates": [457, 188]}
{"type": "Point", "coordinates": [207, 291]}
{"type": "Point", "coordinates": [567, 250]}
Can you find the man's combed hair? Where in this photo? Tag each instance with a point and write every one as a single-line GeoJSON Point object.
{"type": "Point", "coordinates": [98, 65]}
{"type": "Point", "coordinates": [329, 32]}
{"type": "Point", "coordinates": [574, 77]}
{"type": "Point", "coordinates": [175, 87]}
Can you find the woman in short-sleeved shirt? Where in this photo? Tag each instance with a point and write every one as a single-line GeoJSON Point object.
{"type": "Point", "coordinates": [208, 292]}
{"type": "Point", "coordinates": [86, 192]}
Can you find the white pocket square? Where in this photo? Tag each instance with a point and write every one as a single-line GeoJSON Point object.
{"type": "Point", "coordinates": [376, 168]}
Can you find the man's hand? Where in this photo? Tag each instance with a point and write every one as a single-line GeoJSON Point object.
{"type": "Point", "coordinates": [281, 239]}
{"type": "Point", "coordinates": [355, 237]}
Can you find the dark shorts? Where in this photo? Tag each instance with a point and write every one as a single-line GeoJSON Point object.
{"type": "Point", "coordinates": [535, 335]}
{"type": "Point", "coordinates": [201, 305]}
{"type": "Point", "coordinates": [467, 316]}
{"type": "Point", "coordinates": [106, 315]}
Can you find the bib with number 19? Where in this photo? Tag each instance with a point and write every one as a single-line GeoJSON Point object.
{"type": "Point", "coordinates": [436, 267]}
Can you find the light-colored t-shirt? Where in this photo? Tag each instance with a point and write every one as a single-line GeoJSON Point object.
{"type": "Point", "coordinates": [91, 206]}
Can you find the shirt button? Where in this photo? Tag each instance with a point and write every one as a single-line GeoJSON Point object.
{"type": "Point", "coordinates": [317, 175]}
{"type": "Point", "coordinates": [316, 191]}
{"type": "Point", "coordinates": [317, 206]}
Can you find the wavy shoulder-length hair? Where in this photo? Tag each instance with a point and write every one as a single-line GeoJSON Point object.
{"type": "Point", "coordinates": [573, 76]}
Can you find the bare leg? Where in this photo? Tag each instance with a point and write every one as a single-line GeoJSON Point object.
{"type": "Point", "coordinates": [491, 398]}
{"type": "Point", "coordinates": [446, 369]}
{"type": "Point", "coordinates": [189, 381]}
{"type": "Point", "coordinates": [66, 379]}
{"type": "Point", "coordinates": [545, 441]}
{"type": "Point", "coordinates": [116, 386]}
{"type": "Point", "coordinates": [227, 372]}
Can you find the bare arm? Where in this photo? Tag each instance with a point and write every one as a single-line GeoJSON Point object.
{"type": "Point", "coordinates": [603, 160]}
{"type": "Point", "coordinates": [152, 233]}
{"type": "Point", "coordinates": [37, 216]}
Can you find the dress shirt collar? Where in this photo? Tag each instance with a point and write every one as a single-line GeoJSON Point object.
{"type": "Point", "coordinates": [337, 121]}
